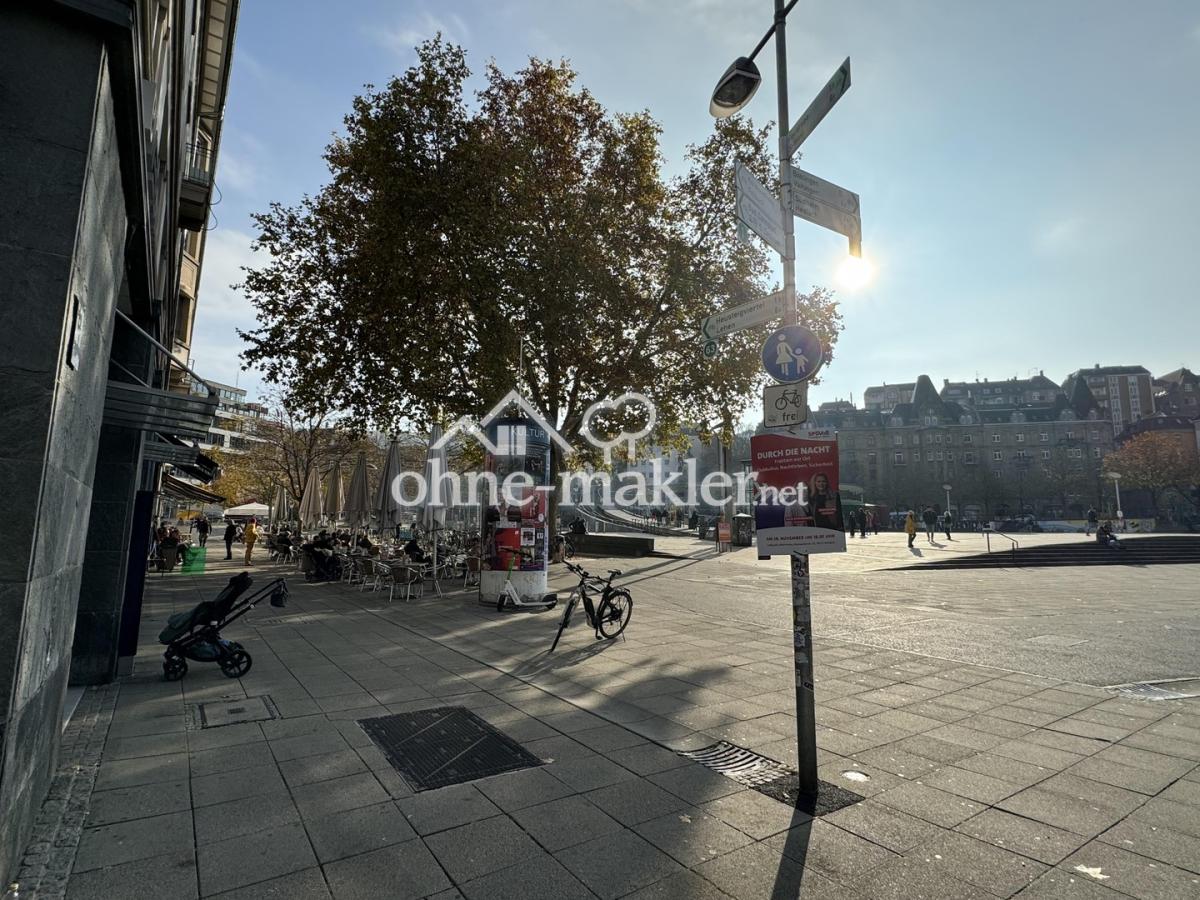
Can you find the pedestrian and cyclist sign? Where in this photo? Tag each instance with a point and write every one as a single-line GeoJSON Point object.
{"type": "Point", "coordinates": [792, 353]}
{"type": "Point", "coordinates": [785, 405]}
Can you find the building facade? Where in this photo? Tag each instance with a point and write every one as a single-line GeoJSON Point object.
{"type": "Point", "coordinates": [1039, 456]}
{"type": "Point", "coordinates": [110, 117]}
{"type": "Point", "coordinates": [1124, 393]}
{"type": "Point", "coordinates": [233, 430]}
{"type": "Point", "coordinates": [1178, 394]}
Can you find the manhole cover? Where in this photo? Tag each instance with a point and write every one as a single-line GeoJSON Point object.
{"type": "Point", "coordinates": [1173, 689]}
{"type": "Point", "coordinates": [771, 777]}
{"type": "Point", "coordinates": [233, 712]}
{"type": "Point", "coordinates": [1056, 640]}
{"type": "Point", "coordinates": [433, 748]}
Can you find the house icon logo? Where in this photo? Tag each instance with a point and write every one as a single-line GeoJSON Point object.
{"type": "Point", "coordinates": [510, 440]}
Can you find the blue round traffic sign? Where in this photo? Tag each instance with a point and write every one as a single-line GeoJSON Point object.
{"type": "Point", "coordinates": [792, 353]}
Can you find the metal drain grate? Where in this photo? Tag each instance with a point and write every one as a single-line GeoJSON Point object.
{"type": "Point", "coordinates": [294, 619]}
{"type": "Point", "coordinates": [742, 765]}
{"type": "Point", "coordinates": [771, 777]}
{"type": "Point", "coordinates": [235, 712]}
{"type": "Point", "coordinates": [433, 748]}
{"type": "Point", "coordinates": [1172, 689]}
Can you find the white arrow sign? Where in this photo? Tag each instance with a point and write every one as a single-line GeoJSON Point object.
{"type": "Point", "coordinates": [831, 217]}
{"type": "Point", "coordinates": [759, 209]}
{"type": "Point", "coordinates": [824, 191]}
{"type": "Point", "coordinates": [822, 104]}
{"type": "Point", "coordinates": [747, 315]}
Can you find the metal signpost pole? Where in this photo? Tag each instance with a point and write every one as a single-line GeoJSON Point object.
{"type": "Point", "coordinates": [806, 722]}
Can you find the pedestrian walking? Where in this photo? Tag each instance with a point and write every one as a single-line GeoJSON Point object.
{"type": "Point", "coordinates": [249, 536]}
{"type": "Point", "coordinates": [202, 529]}
{"type": "Point", "coordinates": [862, 523]}
{"type": "Point", "coordinates": [875, 522]}
{"type": "Point", "coordinates": [852, 516]}
{"type": "Point", "coordinates": [1093, 520]}
{"type": "Point", "coordinates": [230, 536]}
{"type": "Point", "coordinates": [910, 527]}
{"type": "Point", "coordinates": [947, 521]}
{"type": "Point", "coordinates": [929, 517]}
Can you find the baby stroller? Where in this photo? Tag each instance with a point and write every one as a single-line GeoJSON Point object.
{"type": "Point", "coordinates": [196, 634]}
{"type": "Point", "coordinates": [319, 564]}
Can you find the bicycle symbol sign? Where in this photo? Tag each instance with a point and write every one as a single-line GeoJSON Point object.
{"type": "Point", "coordinates": [785, 405]}
{"type": "Point", "coordinates": [792, 353]}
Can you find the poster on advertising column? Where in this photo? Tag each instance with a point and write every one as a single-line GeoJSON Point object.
{"type": "Point", "coordinates": [798, 506]}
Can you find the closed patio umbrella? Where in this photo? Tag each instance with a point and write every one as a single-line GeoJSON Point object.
{"type": "Point", "coordinates": [281, 507]}
{"type": "Point", "coordinates": [386, 506]}
{"type": "Point", "coordinates": [310, 503]}
{"type": "Point", "coordinates": [437, 496]}
{"type": "Point", "coordinates": [335, 497]}
{"type": "Point", "coordinates": [358, 497]}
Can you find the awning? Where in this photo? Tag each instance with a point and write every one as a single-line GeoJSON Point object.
{"type": "Point", "coordinates": [187, 458]}
{"type": "Point", "coordinates": [184, 490]}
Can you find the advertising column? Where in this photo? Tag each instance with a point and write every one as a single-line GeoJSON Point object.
{"type": "Point", "coordinates": [515, 537]}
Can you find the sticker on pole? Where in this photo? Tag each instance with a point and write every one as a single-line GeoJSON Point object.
{"type": "Point", "coordinates": [798, 504]}
{"type": "Point", "coordinates": [792, 353]}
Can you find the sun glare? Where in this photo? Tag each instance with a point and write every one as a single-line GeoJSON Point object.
{"type": "Point", "coordinates": [854, 273]}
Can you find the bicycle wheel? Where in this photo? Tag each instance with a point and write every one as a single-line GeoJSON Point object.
{"type": "Point", "coordinates": [566, 619]}
{"type": "Point", "coordinates": [614, 613]}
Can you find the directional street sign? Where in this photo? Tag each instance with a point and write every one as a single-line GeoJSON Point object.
{"type": "Point", "coordinates": [747, 315]}
{"type": "Point", "coordinates": [822, 104]}
{"type": "Point", "coordinates": [710, 349]}
{"type": "Point", "coordinates": [759, 209]}
{"type": "Point", "coordinates": [792, 353]}
{"type": "Point", "coordinates": [827, 216]}
{"type": "Point", "coordinates": [822, 191]}
{"type": "Point", "coordinates": [785, 405]}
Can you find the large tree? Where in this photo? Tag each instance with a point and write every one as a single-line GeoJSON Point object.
{"type": "Point", "coordinates": [525, 239]}
{"type": "Point", "coordinates": [1157, 462]}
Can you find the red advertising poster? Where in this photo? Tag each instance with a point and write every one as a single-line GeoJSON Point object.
{"type": "Point", "coordinates": [798, 506]}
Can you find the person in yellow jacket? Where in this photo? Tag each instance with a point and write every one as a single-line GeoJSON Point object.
{"type": "Point", "coordinates": [910, 528]}
{"type": "Point", "coordinates": [250, 535]}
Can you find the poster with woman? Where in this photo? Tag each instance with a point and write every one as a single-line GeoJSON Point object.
{"type": "Point", "coordinates": [798, 507]}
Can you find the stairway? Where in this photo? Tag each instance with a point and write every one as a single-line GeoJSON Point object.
{"type": "Point", "coordinates": [1147, 550]}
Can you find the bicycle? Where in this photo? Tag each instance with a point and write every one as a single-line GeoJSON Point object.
{"type": "Point", "coordinates": [614, 612]}
{"type": "Point", "coordinates": [788, 398]}
{"type": "Point", "coordinates": [568, 545]}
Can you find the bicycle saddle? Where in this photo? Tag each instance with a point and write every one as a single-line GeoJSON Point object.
{"type": "Point", "coordinates": [614, 572]}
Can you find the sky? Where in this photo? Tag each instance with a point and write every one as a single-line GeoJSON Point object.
{"type": "Point", "coordinates": [1027, 169]}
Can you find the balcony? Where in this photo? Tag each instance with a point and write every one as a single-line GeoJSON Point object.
{"type": "Point", "coordinates": [196, 191]}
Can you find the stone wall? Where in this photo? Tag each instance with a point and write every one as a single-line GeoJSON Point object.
{"type": "Point", "coordinates": [62, 237]}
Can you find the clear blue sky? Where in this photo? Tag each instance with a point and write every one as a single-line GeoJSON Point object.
{"type": "Point", "coordinates": [1028, 169]}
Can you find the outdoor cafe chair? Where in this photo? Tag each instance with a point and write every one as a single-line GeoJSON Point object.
{"type": "Point", "coordinates": [408, 576]}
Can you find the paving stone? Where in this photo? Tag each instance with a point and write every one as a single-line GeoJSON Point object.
{"type": "Point", "coordinates": [681, 885]}
{"type": "Point", "coordinates": [1086, 789]}
{"type": "Point", "coordinates": [690, 836]}
{"type": "Point", "coordinates": [755, 814]}
{"type": "Point", "coordinates": [588, 774]}
{"type": "Point", "coordinates": [222, 821]}
{"type": "Point", "coordinates": [974, 786]}
{"type": "Point", "coordinates": [236, 785]}
{"type": "Point", "coordinates": [565, 822]}
{"type": "Point", "coordinates": [325, 797]}
{"type": "Point", "coordinates": [227, 759]}
{"type": "Point", "coordinates": [399, 872]}
{"type": "Point", "coordinates": [127, 773]}
{"type": "Point", "coordinates": [897, 831]}
{"type": "Point", "coordinates": [980, 863]}
{"type": "Point", "coordinates": [1080, 816]}
{"type": "Point", "coordinates": [110, 845]}
{"type": "Point", "coordinates": [538, 878]}
{"type": "Point", "coordinates": [1125, 755]}
{"type": "Point", "coordinates": [1177, 816]}
{"type": "Point", "coordinates": [932, 748]}
{"type": "Point", "coordinates": [559, 749]}
{"type": "Point", "coordinates": [1187, 792]}
{"type": "Point", "coordinates": [1037, 840]}
{"type": "Point", "coordinates": [322, 767]}
{"type": "Point", "coordinates": [758, 872]}
{"type": "Point", "coordinates": [470, 851]}
{"type": "Point", "coordinates": [1036, 754]}
{"type": "Point", "coordinates": [647, 759]}
{"type": "Point", "coordinates": [1059, 884]}
{"type": "Point", "coordinates": [819, 845]}
{"type": "Point", "coordinates": [146, 745]}
{"type": "Point", "coordinates": [296, 747]}
{"type": "Point", "coordinates": [122, 804]}
{"type": "Point", "coordinates": [1014, 771]}
{"type": "Point", "coordinates": [893, 759]}
{"type": "Point", "coordinates": [913, 876]}
{"type": "Point", "coordinates": [1157, 842]}
{"type": "Point", "coordinates": [617, 864]}
{"type": "Point", "coordinates": [251, 858]}
{"type": "Point", "coordinates": [1059, 740]}
{"type": "Point", "coordinates": [1132, 874]}
{"type": "Point", "coordinates": [930, 804]}
{"type": "Point", "coordinates": [1144, 781]}
{"type": "Point", "coordinates": [307, 884]}
{"type": "Point", "coordinates": [695, 784]}
{"type": "Point", "coordinates": [359, 830]}
{"type": "Point", "coordinates": [635, 801]}
{"type": "Point", "coordinates": [225, 736]}
{"type": "Point", "coordinates": [170, 875]}
{"type": "Point", "coordinates": [527, 787]}
{"type": "Point", "coordinates": [432, 811]}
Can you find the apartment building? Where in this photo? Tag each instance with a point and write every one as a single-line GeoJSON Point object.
{"type": "Point", "coordinates": [1124, 393]}
{"type": "Point", "coordinates": [110, 120]}
{"type": "Point", "coordinates": [233, 430]}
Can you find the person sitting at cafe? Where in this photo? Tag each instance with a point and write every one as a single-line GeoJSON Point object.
{"type": "Point", "coordinates": [414, 552]}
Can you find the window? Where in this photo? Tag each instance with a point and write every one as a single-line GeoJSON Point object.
{"type": "Point", "coordinates": [938, 439]}
{"type": "Point", "coordinates": [1043, 437]}
{"type": "Point", "coordinates": [851, 456]}
{"type": "Point", "coordinates": [969, 457]}
{"type": "Point", "coordinates": [916, 440]}
{"type": "Point", "coordinates": [871, 440]}
{"type": "Point", "coordinates": [1037, 396]}
{"type": "Point", "coordinates": [898, 458]}
{"type": "Point", "coordinates": [929, 456]}
{"type": "Point", "coordinates": [1094, 435]}
{"type": "Point", "coordinates": [1095, 453]}
{"type": "Point", "coordinates": [1070, 435]}
{"type": "Point", "coordinates": [1045, 454]}
{"type": "Point", "coordinates": [1075, 453]}
{"type": "Point", "coordinates": [995, 438]}
{"type": "Point", "coordinates": [929, 438]}
{"type": "Point", "coordinates": [950, 456]}
{"type": "Point", "coordinates": [898, 440]}
{"type": "Point", "coordinates": [939, 456]}
{"type": "Point", "coordinates": [997, 456]}
{"type": "Point", "coordinates": [1022, 454]}
{"type": "Point", "coordinates": [1020, 438]}
{"type": "Point", "coordinates": [967, 439]}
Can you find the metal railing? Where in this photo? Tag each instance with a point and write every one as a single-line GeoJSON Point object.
{"type": "Point", "coordinates": [988, 532]}
{"type": "Point", "coordinates": [198, 167]}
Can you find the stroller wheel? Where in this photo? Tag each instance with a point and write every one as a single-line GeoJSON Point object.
{"type": "Point", "coordinates": [236, 664]}
{"type": "Point", "coordinates": [174, 668]}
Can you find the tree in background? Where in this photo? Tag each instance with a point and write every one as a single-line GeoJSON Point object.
{"type": "Point", "coordinates": [1158, 463]}
{"type": "Point", "coordinates": [526, 241]}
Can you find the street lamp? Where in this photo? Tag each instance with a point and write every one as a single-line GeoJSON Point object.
{"type": "Point", "coordinates": [1116, 477]}
{"type": "Point", "coordinates": [736, 87]}
{"type": "Point", "coordinates": [947, 487]}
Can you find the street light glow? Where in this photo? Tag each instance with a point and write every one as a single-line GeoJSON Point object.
{"type": "Point", "coordinates": [854, 273]}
